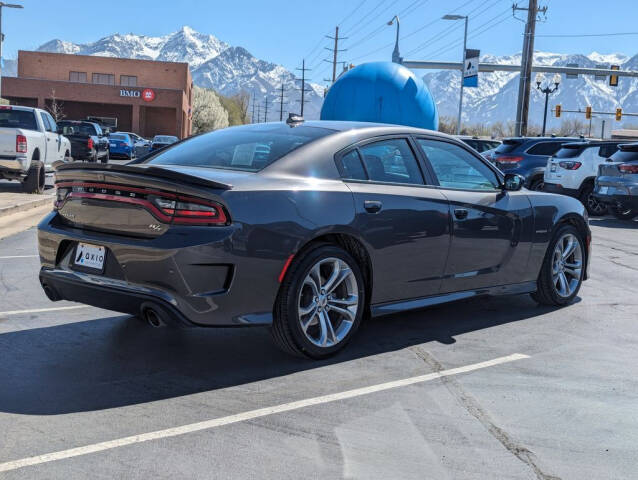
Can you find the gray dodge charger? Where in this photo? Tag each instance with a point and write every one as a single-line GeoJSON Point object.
{"type": "Point", "coordinates": [307, 227]}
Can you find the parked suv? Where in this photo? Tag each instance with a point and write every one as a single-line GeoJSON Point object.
{"type": "Point", "coordinates": [527, 156]}
{"type": "Point", "coordinates": [573, 169]}
{"type": "Point", "coordinates": [617, 182]}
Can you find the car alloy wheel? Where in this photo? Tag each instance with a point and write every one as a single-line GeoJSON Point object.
{"type": "Point", "coordinates": [567, 265]}
{"type": "Point", "coordinates": [594, 207]}
{"type": "Point", "coordinates": [328, 302]}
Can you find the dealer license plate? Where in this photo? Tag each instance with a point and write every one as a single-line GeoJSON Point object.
{"type": "Point", "coordinates": [90, 256]}
{"type": "Point", "coordinates": [603, 190]}
{"type": "Point", "coordinates": [113, 145]}
{"type": "Point", "coordinates": [553, 167]}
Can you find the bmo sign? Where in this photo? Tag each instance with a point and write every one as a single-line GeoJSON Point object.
{"type": "Point", "coordinates": [148, 95]}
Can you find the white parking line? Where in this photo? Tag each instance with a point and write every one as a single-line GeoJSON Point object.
{"type": "Point", "coordinates": [18, 256]}
{"type": "Point", "coordinates": [252, 414]}
{"type": "Point", "coordinates": [40, 310]}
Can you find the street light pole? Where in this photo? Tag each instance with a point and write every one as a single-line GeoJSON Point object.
{"type": "Point", "coordinates": [8, 5]}
{"type": "Point", "coordinates": [396, 56]}
{"type": "Point", "coordinates": [459, 17]}
{"type": "Point", "coordinates": [547, 90]}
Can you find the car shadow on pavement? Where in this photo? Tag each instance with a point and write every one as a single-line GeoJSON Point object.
{"type": "Point", "coordinates": [613, 223]}
{"type": "Point", "coordinates": [118, 361]}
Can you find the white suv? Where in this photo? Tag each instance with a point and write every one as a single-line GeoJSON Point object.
{"type": "Point", "coordinates": [573, 169]}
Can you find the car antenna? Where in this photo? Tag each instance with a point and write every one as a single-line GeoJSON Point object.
{"type": "Point", "coordinates": [294, 119]}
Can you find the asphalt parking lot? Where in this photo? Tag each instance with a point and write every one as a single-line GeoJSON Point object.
{"type": "Point", "coordinates": [88, 392]}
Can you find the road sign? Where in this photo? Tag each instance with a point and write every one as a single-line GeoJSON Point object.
{"type": "Point", "coordinates": [471, 68]}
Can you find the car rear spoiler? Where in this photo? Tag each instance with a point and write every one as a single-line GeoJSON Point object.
{"type": "Point", "coordinates": [151, 171]}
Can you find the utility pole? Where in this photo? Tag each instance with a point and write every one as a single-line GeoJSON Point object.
{"type": "Point", "coordinates": [266, 109]}
{"type": "Point", "coordinates": [281, 103]}
{"type": "Point", "coordinates": [522, 107]}
{"type": "Point", "coordinates": [335, 50]}
{"type": "Point", "coordinates": [8, 5]}
{"type": "Point", "coordinates": [602, 130]}
{"type": "Point", "coordinates": [252, 118]}
{"type": "Point", "coordinates": [258, 112]}
{"type": "Point", "coordinates": [303, 83]}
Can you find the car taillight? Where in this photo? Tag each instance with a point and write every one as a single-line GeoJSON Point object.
{"type": "Point", "coordinates": [570, 165]}
{"type": "Point", "coordinates": [21, 144]}
{"type": "Point", "coordinates": [192, 211]}
{"type": "Point", "coordinates": [89, 144]}
{"type": "Point", "coordinates": [628, 168]}
{"type": "Point", "coordinates": [506, 160]}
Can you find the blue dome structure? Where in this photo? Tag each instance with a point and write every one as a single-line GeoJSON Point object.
{"type": "Point", "coordinates": [382, 92]}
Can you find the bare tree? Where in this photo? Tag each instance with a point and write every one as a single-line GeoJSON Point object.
{"type": "Point", "coordinates": [55, 108]}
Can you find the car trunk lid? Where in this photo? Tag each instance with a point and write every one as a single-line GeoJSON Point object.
{"type": "Point", "coordinates": [136, 200]}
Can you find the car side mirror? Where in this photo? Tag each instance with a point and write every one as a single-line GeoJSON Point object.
{"type": "Point", "coordinates": [513, 182]}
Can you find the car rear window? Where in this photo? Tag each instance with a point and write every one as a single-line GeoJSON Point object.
{"type": "Point", "coordinates": [118, 136]}
{"type": "Point", "coordinates": [607, 151]}
{"type": "Point", "coordinates": [81, 128]}
{"type": "Point", "coordinates": [545, 148]}
{"type": "Point", "coordinates": [18, 119]}
{"type": "Point", "coordinates": [164, 139]}
{"type": "Point", "coordinates": [570, 151]}
{"type": "Point", "coordinates": [507, 146]}
{"type": "Point", "coordinates": [625, 156]}
{"type": "Point", "coordinates": [248, 148]}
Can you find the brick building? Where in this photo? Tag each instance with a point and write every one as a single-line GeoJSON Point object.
{"type": "Point", "coordinates": [142, 96]}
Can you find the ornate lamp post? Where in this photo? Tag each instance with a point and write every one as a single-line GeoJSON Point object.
{"type": "Point", "coordinates": [546, 87]}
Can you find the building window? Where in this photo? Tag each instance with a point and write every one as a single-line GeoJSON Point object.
{"type": "Point", "coordinates": [77, 77]}
{"type": "Point", "coordinates": [128, 80]}
{"type": "Point", "coordinates": [104, 78]}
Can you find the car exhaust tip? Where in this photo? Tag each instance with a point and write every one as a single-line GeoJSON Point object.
{"type": "Point", "coordinates": [51, 293]}
{"type": "Point", "coordinates": [154, 316]}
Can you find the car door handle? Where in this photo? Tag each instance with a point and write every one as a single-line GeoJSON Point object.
{"type": "Point", "coordinates": [372, 206]}
{"type": "Point", "coordinates": [460, 213]}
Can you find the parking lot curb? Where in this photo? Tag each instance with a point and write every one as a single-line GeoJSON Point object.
{"type": "Point", "coordinates": [26, 205]}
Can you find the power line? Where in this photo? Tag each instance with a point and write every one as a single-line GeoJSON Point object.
{"type": "Point", "coordinates": [576, 35]}
{"type": "Point", "coordinates": [363, 25]}
{"type": "Point", "coordinates": [352, 12]}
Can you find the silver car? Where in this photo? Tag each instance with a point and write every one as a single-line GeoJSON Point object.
{"type": "Point", "coordinates": [617, 182]}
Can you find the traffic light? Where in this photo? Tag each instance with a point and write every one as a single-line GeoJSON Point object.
{"type": "Point", "coordinates": [557, 110]}
{"type": "Point", "coordinates": [613, 79]}
{"type": "Point", "coordinates": [588, 112]}
{"type": "Point", "coordinates": [618, 114]}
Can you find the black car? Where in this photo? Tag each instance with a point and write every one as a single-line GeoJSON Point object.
{"type": "Point", "coordinates": [527, 156]}
{"type": "Point", "coordinates": [162, 141]}
{"type": "Point", "coordinates": [88, 141]}
{"type": "Point", "coordinates": [308, 228]}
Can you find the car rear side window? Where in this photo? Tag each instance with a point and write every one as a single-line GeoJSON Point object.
{"type": "Point", "coordinates": [248, 148]}
{"type": "Point", "coordinates": [545, 148]}
{"type": "Point", "coordinates": [391, 161]}
{"type": "Point", "coordinates": [455, 167]}
{"type": "Point", "coordinates": [351, 166]}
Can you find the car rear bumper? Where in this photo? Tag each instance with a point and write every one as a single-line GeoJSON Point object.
{"type": "Point", "coordinates": [192, 272]}
{"type": "Point", "coordinates": [14, 164]}
{"type": "Point", "coordinates": [627, 201]}
{"type": "Point", "coordinates": [557, 188]}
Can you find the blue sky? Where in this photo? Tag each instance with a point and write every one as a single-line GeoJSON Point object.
{"type": "Point", "coordinates": [286, 31]}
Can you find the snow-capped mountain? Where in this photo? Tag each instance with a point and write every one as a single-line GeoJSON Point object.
{"type": "Point", "coordinates": [495, 98]}
{"type": "Point", "coordinates": [214, 64]}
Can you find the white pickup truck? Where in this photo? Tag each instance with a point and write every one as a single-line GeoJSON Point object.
{"type": "Point", "coordinates": [29, 144]}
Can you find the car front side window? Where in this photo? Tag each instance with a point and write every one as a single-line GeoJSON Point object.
{"type": "Point", "coordinates": [456, 168]}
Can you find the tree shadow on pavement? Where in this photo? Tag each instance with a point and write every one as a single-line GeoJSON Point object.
{"type": "Point", "coordinates": [118, 361]}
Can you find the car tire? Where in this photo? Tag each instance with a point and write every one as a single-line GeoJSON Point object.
{"type": "Point", "coordinates": [551, 288]}
{"type": "Point", "coordinates": [537, 184]}
{"type": "Point", "coordinates": [622, 213]}
{"type": "Point", "coordinates": [105, 158]}
{"type": "Point", "coordinates": [593, 206]}
{"type": "Point", "coordinates": [35, 179]}
{"type": "Point", "coordinates": [324, 329]}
